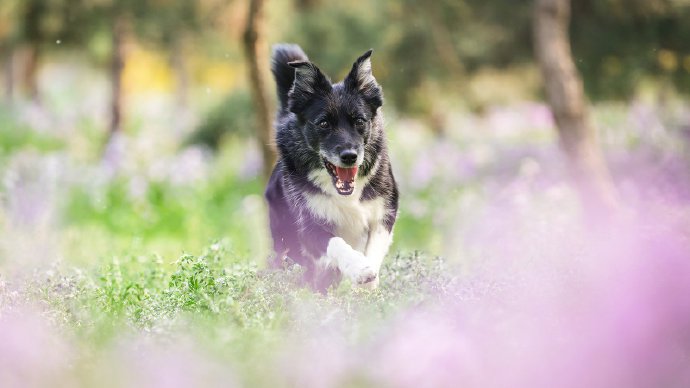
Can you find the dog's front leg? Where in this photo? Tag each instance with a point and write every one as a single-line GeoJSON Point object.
{"type": "Point", "coordinates": [360, 268]}
{"type": "Point", "coordinates": [377, 247]}
{"type": "Point", "coordinates": [333, 254]}
{"type": "Point", "coordinates": [351, 263]}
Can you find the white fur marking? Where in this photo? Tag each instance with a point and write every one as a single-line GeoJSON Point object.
{"type": "Point", "coordinates": [353, 219]}
{"type": "Point", "coordinates": [351, 263]}
{"type": "Point", "coordinates": [362, 241]}
{"type": "Point", "coordinates": [377, 247]}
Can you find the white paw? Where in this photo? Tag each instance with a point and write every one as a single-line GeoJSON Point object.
{"type": "Point", "coordinates": [352, 264]}
{"type": "Point", "coordinates": [371, 285]}
{"type": "Point", "coordinates": [364, 275]}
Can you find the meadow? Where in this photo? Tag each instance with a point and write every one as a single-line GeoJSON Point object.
{"type": "Point", "coordinates": [140, 261]}
{"type": "Point", "coordinates": [134, 234]}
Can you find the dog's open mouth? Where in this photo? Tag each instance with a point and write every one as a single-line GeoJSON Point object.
{"type": "Point", "coordinates": [343, 178]}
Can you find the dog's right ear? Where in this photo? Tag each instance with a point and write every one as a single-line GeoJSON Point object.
{"type": "Point", "coordinates": [361, 79]}
{"type": "Point", "coordinates": [309, 83]}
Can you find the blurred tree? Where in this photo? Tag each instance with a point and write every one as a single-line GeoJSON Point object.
{"type": "Point", "coordinates": [169, 25]}
{"type": "Point", "coordinates": [164, 24]}
{"type": "Point", "coordinates": [424, 50]}
{"type": "Point", "coordinates": [117, 66]}
{"type": "Point", "coordinates": [256, 50]}
{"type": "Point", "coordinates": [39, 25]}
{"type": "Point", "coordinates": [8, 40]}
{"type": "Point", "coordinates": [8, 75]}
{"type": "Point", "coordinates": [565, 95]}
{"type": "Point", "coordinates": [306, 4]}
{"type": "Point", "coordinates": [425, 47]}
{"type": "Point", "coordinates": [32, 28]}
{"type": "Point", "coordinates": [32, 15]}
{"type": "Point", "coordinates": [36, 24]}
{"type": "Point", "coordinates": [618, 43]}
{"type": "Point", "coordinates": [117, 18]}
{"type": "Point", "coordinates": [420, 46]}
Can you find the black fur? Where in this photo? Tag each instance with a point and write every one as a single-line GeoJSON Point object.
{"type": "Point", "coordinates": [283, 73]}
{"type": "Point", "coordinates": [307, 100]}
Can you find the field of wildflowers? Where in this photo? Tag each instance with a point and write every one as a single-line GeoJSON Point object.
{"type": "Point", "coordinates": [140, 262]}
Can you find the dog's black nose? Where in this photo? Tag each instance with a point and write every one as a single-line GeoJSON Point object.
{"type": "Point", "coordinates": [348, 157]}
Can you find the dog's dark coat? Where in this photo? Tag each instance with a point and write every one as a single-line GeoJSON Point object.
{"type": "Point", "coordinates": [307, 99]}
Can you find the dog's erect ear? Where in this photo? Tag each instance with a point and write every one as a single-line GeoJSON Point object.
{"type": "Point", "coordinates": [362, 80]}
{"type": "Point", "coordinates": [309, 83]}
{"type": "Point", "coordinates": [360, 77]}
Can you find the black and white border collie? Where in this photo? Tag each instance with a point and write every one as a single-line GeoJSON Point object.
{"type": "Point", "coordinates": [332, 197]}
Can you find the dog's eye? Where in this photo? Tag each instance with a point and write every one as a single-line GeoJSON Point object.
{"type": "Point", "coordinates": [324, 124]}
{"type": "Point", "coordinates": [360, 122]}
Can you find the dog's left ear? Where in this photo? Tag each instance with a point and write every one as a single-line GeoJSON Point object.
{"type": "Point", "coordinates": [361, 79]}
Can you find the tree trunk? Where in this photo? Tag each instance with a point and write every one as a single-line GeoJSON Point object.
{"type": "Point", "coordinates": [8, 76]}
{"type": "Point", "coordinates": [30, 79]}
{"type": "Point", "coordinates": [31, 18]}
{"type": "Point", "coordinates": [565, 95]}
{"type": "Point", "coordinates": [256, 50]}
{"type": "Point", "coordinates": [116, 68]}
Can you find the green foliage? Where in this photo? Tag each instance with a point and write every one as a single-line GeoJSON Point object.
{"type": "Point", "coordinates": [617, 45]}
{"type": "Point", "coordinates": [169, 216]}
{"type": "Point", "coordinates": [15, 136]}
{"type": "Point", "coordinates": [441, 43]}
{"type": "Point", "coordinates": [144, 291]}
{"type": "Point", "coordinates": [217, 289]}
{"type": "Point", "coordinates": [234, 115]}
{"type": "Point", "coordinates": [162, 210]}
{"type": "Point", "coordinates": [416, 43]}
{"type": "Point", "coordinates": [420, 46]}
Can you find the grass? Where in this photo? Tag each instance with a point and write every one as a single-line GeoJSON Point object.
{"type": "Point", "coordinates": [226, 305]}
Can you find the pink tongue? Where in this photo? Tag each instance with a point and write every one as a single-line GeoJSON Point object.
{"type": "Point", "coordinates": [346, 174]}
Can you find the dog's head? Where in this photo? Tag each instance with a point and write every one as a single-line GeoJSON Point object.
{"type": "Point", "coordinates": [337, 119]}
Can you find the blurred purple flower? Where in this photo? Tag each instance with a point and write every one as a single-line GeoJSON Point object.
{"type": "Point", "coordinates": [32, 190]}
{"type": "Point", "coordinates": [539, 116]}
{"type": "Point", "coordinates": [115, 155]}
{"type": "Point", "coordinates": [153, 362]}
{"type": "Point", "coordinates": [567, 309]}
{"type": "Point", "coordinates": [422, 173]}
{"type": "Point", "coordinates": [32, 353]}
{"type": "Point", "coordinates": [252, 162]}
{"type": "Point", "coordinates": [319, 360]}
{"type": "Point", "coordinates": [31, 184]}
{"type": "Point", "coordinates": [189, 167]}
{"type": "Point", "coordinates": [644, 121]}
{"type": "Point", "coordinates": [317, 352]}
{"type": "Point", "coordinates": [443, 162]}
{"type": "Point", "coordinates": [518, 120]}
{"type": "Point", "coordinates": [425, 350]}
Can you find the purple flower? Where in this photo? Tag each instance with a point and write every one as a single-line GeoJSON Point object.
{"type": "Point", "coordinates": [32, 352]}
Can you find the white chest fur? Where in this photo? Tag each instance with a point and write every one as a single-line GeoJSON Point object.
{"type": "Point", "coordinates": [353, 219]}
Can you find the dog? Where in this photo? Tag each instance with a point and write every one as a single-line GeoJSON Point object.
{"type": "Point", "coordinates": [332, 197]}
